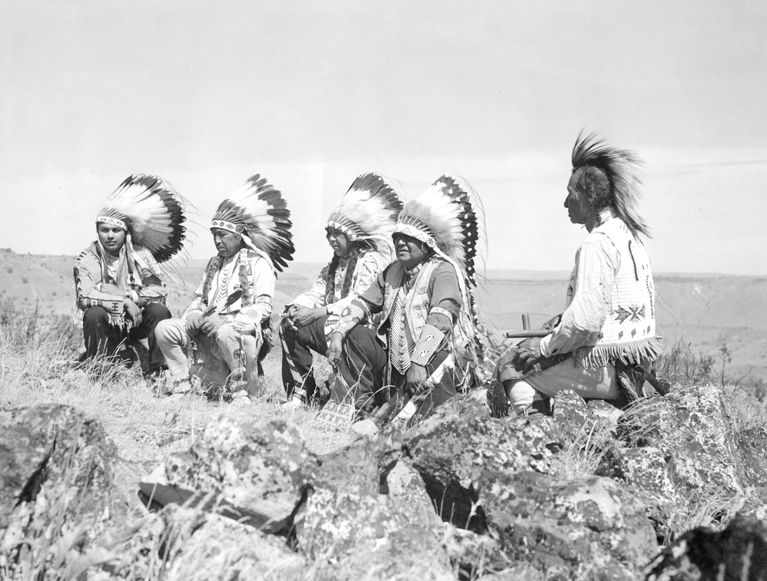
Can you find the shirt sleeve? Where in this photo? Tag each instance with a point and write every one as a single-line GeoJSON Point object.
{"type": "Point", "coordinates": [87, 275]}
{"type": "Point", "coordinates": [262, 281]}
{"type": "Point", "coordinates": [597, 261]}
{"type": "Point", "coordinates": [366, 271]}
{"type": "Point", "coordinates": [153, 289]}
{"type": "Point", "coordinates": [197, 304]}
{"type": "Point", "coordinates": [446, 297]}
{"type": "Point", "coordinates": [372, 299]}
{"type": "Point", "coordinates": [315, 296]}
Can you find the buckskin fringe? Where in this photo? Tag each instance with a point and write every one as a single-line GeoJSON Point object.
{"type": "Point", "coordinates": [636, 352]}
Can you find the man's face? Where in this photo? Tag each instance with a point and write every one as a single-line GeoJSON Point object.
{"type": "Point", "coordinates": [410, 251]}
{"type": "Point", "coordinates": [338, 242]}
{"type": "Point", "coordinates": [577, 207]}
{"type": "Point", "coordinates": [227, 243]}
{"type": "Point", "coordinates": [111, 237]}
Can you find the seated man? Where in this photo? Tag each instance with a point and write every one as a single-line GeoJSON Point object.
{"type": "Point", "coordinates": [226, 324]}
{"type": "Point", "coordinates": [605, 340]}
{"type": "Point", "coordinates": [428, 323]}
{"type": "Point", "coordinates": [359, 232]}
{"type": "Point", "coordinates": [117, 281]}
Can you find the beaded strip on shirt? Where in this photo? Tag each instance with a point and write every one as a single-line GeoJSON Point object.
{"type": "Point", "coordinates": [351, 265]}
{"type": "Point", "coordinates": [215, 265]}
{"type": "Point", "coordinates": [402, 343]}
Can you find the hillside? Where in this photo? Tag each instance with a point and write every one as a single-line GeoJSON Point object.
{"type": "Point", "coordinates": [707, 311]}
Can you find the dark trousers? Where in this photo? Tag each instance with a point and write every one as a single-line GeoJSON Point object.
{"type": "Point", "coordinates": [363, 368]}
{"type": "Point", "coordinates": [362, 365]}
{"type": "Point", "coordinates": [103, 339]}
{"type": "Point", "coordinates": [297, 345]}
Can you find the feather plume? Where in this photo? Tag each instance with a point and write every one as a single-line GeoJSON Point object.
{"type": "Point", "coordinates": [368, 210]}
{"type": "Point", "coordinates": [263, 215]}
{"type": "Point", "coordinates": [153, 211]}
{"type": "Point", "coordinates": [445, 210]}
{"type": "Point", "coordinates": [621, 167]}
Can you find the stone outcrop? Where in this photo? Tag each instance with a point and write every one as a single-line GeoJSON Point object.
{"type": "Point", "coordinates": [56, 477]}
{"type": "Point", "coordinates": [737, 553]}
{"type": "Point", "coordinates": [677, 453]}
{"type": "Point", "coordinates": [257, 474]}
{"type": "Point", "coordinates": [498, 479]}
{"type": "Point", "coordinates": [188, 544]}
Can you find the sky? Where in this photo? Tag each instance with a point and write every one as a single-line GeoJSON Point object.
{"type": "Point", "coordinates": [312, 94]}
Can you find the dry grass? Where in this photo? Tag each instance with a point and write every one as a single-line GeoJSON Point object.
{"type": "Point", "coordinates": [38, 365]}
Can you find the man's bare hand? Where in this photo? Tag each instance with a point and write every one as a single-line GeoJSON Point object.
{"type": "Point", "coordinates": [335, 344]}
{"type": "Point", "coordinates": [211, 324]}
{"type": "Point", "coordinates": [303, 316]}
{"type": "Point", "coordinates": [193, 322]}
{"type": "Point", "coordinates": [416, 380]}
{"type": "Point", "coordinates": [133, 311]}
{"type": "Point", "coordinates": [527, 356]}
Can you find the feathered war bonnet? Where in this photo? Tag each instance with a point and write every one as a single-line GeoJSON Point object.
{"type": "Point", "coordinates": [620, 167]}
{"type": "Point", "coordinates": [368, 211]}
{"type": "Point", "coordinates": [444, 218]}
{"type": "Point", "coordinates": [260, 215]}
{"type": "Point", "coordinates": [152, 213]}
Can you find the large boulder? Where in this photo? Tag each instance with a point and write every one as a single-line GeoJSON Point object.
{"type": "Point", "coordinates": [677, 452]}
{"type": "Point", "coordinates": [459, 450]}
{"type": "Point", "coordinates": [738, 553]}
{"type": "Point", "coordinates": [590, 528]}
{"type": "Point", "coordinates": [188, 544]}
{"type": "Point", "coordinates": [406, 553]}
{"type": "Point", "coordinates": [56, 478]}
{"type": "Point", "coordinates": [335, 521]}
{"type": "Point", "coordinates": [256, 473]}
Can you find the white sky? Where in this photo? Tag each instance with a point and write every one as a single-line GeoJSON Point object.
{"type": "Point", "coordinates": [312, 94]}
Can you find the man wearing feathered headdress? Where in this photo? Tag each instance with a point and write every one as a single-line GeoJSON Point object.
{"type": "Point", "coordinates": [605, 339]}
{"type": "Point", "coordinates": [118, 282]}
{"type": "Point", "coordinates": [359, 232]}
{"type": "Point", "coordinates": [425, 347]}
{"type": "Point", "coordinates": [227, 324]}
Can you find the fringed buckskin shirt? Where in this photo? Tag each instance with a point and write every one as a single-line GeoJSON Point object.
{"type": "Point", "coordinates": [335, 288]}
{"type": "Point", "coordinates": [246, 272]}
{"type": "Point", "coordinates": [137, 274]}
{"type": "Point", "coordinates": [611, 300]}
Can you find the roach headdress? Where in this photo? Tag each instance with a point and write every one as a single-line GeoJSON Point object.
{"type": "Point", "coordinates": [152, 213]}
{"type": "Point", "coordinates": [443, 217]}
{"type": "Point", "coordinates": [260, 215]}
{"type": "Point", "coordinates": [368, 211]}
{"type": "Point", "coordinates": [621, 168]}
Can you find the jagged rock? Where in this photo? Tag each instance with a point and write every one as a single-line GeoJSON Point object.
{"type": "Point", "coordinates": [471, 554]}
{"type": "Point", "coordinates": [406, 495]}
{"type": "Point", "coordinates": [738, 553]}
{"type": "Point", "coordinates": [752, 445]}
{"type": "Point", "coordinates": [590, 528]}
{"type": "Point", "coordinates": [56, 467]}
{"type": "Point", "coordinates": [334, 523]}
{"type": "Point", "coordinates": [521, 572]}
{"type": "Point", "coordinates": [404, 554]}
{"type": "Point", "coordinates": [459, 449]}
{"type": "Point", "coordinates": [675, 452]}
{"type": "Point", "coordinates": [690, 428]}
{"type": "Point", "coordinates": [187, 544]}
{"type": "Point", "coordinates": [353, 469]}
{"type": "Point", "coordinates": [257, 474]}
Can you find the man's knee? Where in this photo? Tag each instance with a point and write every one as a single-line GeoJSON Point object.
{"type": "Point", "coordinates": [156, 312]}
{"type": "Point", "coordinates": [525, 399]}
{"type": "Point", "coordinates": [94, 316]}
{"type": "Point", "coordinates": [169, 331]}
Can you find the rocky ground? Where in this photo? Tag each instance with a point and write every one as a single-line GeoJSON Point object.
{"type": "Point", "coordinates": [589, 493]}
